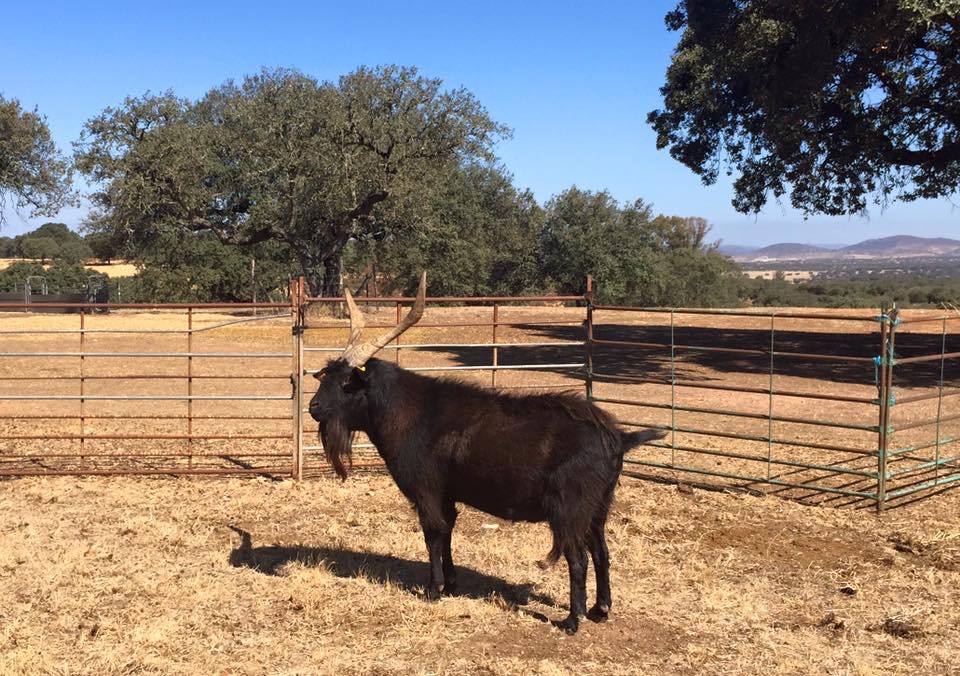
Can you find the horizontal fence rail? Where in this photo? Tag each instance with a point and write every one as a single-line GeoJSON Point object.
{"type": "Point", "coordinates": [846, 440]}
{"type": "Point", "coordinates": [839, 408]}
{"type": "Point", "coordinates": [487, 320]}
{"type": "Point", "coordinates": [141, 389]}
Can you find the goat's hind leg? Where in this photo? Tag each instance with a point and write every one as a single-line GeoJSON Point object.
{"type": "Point", "coordinates": [577, 567]}
{"type": "Point", "coordinates": [597, 544]}
{"type": "Point", "coordinates": [449, 570]}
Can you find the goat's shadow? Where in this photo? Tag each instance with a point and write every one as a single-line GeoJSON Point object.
{"type": "Point", "coordinates": [410, 576]}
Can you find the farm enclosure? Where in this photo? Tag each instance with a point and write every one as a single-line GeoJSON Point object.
{"type": "Point", "coordinates": [155, 575]}
{"type": "Point", "coordinates": [848, 407]}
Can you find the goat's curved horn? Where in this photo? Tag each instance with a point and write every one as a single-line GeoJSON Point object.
{"type": "Point", "coordinates": [356, 353]}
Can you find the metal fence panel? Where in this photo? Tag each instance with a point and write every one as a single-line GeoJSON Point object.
{"type": "Point", "coordinates": [837, 408]}
{"type": "Point", "coordinates": [146, 389]}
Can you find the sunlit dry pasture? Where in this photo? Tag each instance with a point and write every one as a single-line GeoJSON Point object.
{"type": "Point", "coordinates": [113, 269]}
{"type": "Point", "coordinates": [262, 574]}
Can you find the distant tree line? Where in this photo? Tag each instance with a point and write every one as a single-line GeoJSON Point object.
{"type": "Point", "coordinates": [370, 178]}
{"type": "Point", "coordinates": [860, 291]}
{"type": "Point", "coordinates": [49, 242]}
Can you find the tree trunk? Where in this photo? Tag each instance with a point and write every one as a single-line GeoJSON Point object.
{"type": "Point", "coordinates": [331, 276]}
{"type": "Point", "coordinates": [321, 270]}
{"type": "Point", "coordinates": [313, 276]}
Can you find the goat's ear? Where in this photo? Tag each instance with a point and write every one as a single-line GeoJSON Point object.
{"type": "Point", "coordinates": [357, 381]}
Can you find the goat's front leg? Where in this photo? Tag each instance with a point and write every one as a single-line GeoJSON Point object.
{"type": "Point", "coordinates": [434, 535]}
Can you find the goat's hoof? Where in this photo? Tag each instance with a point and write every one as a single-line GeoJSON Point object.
{"type": "Point", "coordinates": [432, 594]}
{"type": "Point", "coordinates": [450, 589]}
{"type": "Point", "coordinates": [569, 625]}
{"type": "Point", "coordinates": [599, 613]}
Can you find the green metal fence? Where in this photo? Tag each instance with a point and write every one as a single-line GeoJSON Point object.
{"type": "Point", "coordinates": [854, 408]}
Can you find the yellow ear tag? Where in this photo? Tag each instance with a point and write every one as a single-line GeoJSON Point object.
{"type": "Point", "coordinates": [362, 369]}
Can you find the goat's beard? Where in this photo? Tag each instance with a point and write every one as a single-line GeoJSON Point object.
{"type": "Point", "coordinates": [337, 442]}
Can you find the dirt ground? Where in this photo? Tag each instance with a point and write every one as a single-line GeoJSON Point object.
{"type": "Point", "coordinates": [266, 575]}
{"type": "Point", "coordinates": [162, 575]}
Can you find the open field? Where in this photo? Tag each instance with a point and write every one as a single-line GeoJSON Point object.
{"type": "Point", "coordinates": [789, 275]}
{"type": "Point", "coordinates": [253, 575]}
{"type": "Point", "coordinates": [117, 269]}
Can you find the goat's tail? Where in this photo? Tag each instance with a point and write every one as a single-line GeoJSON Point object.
{"type": "Point", "coordinates": [630, 439]}
{"type": "Point", "coordinates": [550, 559]}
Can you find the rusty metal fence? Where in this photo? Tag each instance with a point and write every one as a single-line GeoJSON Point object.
{"type": "Point", "coordinates": [493, 341]}
{"type": "Point", "coordinates": [843, 408]}
{"type": "Point", "coordinates": [144, 389]}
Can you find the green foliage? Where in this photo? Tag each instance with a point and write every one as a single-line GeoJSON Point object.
{"type": "Point", "coordinates": [633, 257]}
{"type": "Point", "coordinates": [104, 246]}
{"type": "Point", "coordinates": [832, 101]}
{"type": "Point", "coordinates": [589, 233]}
{"type": "Point", "coordinates": [479, 237]}
{"type": "Point", "coordinates": [199, 268]}
{"type": "Point", "coordinates": [51, 241]}
{"type": "Point", "coordinates": [60, 277]}
{"type": "Point", "coordinates": [39, 248]}
{"type": "Point", "coordinates": [861, 291]}
{"type": "Point", "coordinates": [283, 158]}
{"type": "Point", "coordinates": [33, 173]}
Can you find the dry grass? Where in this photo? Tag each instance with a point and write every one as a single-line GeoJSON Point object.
{"type": "Point", "coordinates": [141, 575]}
{"type": "Point", "coordinates": [117, 269]}
{"type": "Point", "coordinates": [156, 576]}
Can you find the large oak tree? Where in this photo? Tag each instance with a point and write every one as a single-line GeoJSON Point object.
{"type": "Point", "coordinates": [33, 174]}
{"type": "Point", "coordinates": [837, 102]}
{"type": "Point", "coordinates": [285, 158]}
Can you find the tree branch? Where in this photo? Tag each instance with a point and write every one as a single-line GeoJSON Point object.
{"type": "Point", "coordinates": [203, 225]}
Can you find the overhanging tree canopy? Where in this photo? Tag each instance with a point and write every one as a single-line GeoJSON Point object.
{"type": "Point", "coordinates": [282, 157]}
{"type": "Point", "coordinates": [837, 102]}
{"type": "Point", "coordinates": [33, 174]}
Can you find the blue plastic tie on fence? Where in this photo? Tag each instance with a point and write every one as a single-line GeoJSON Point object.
{"type": "Point", "coordinates": [877, 362]}
{"type": "Point", "coordinates": [894, 321]}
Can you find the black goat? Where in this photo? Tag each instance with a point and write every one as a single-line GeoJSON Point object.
{"type": "Point", "coordinates": [544, 457]}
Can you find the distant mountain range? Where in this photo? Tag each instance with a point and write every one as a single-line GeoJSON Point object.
{"type": "Point", "coordinates": [898, 246]}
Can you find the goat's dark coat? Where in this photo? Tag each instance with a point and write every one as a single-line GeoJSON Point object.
{"type": "Point", "coordinates": [543, 457]}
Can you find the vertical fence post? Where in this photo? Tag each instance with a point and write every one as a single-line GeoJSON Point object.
{"type": "Point", "coordinates": [589, 357]}
{"type": "Point", "coordinates": [493, 371]}
{"type": "Point", "coordinates": [83, 425]}
{"type": "Point", "coordinates": [770, 395]}
{"type": "Point", "coordinates": [943, 359]}
{"type": "Point", "coordinates": [885, 363]}
{"type": "Point", "coordinates": [396, 353]}
{"type": "Point", "coordinates": [673, 388]}
{"type": "Point", "coordinates": [881, 377]}
{"type": "Point", "coordinates": [889, 362]}
{"type": "Point", "coordinates": [296, 375]}
{"type": "Point", "coordinates": [190, 386]}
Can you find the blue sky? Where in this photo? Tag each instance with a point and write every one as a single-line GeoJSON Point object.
{"type": "Point", "coordinates": [574, 80]}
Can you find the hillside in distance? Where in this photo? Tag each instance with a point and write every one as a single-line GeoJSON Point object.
{"type": "Point", "coordinates": [904, 245]}
{"type": "Point", "coordinates": [898, 246]}
{"type": "Point", "coordinates": [792, 251]}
